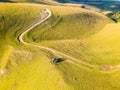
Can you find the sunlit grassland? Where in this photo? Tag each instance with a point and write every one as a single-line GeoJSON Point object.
{"type": "Point", "coordinates": [105, 44]}
{"type": "Point", "coordinates": [63, 37]}
{"type": "Point", "coordinates": [99, 49]}
{"type": "Point", "coordinates": [76, 32]}
{"type": "Point", "coordinates": [70, 32]}
{"type": "Point", "coordinates": [26, 68]}
{"type": "Point", "coordinates": [13, 21]}
{"type": "Point", "coordinates": [73, 24]}
{"type": "Point", "coordinates": [36, 74]}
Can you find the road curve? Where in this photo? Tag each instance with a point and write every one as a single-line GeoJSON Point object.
{"type": "Point", "coordinates": [49, 49]}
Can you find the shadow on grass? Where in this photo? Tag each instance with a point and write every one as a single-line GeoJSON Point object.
{"type": "Point", "coordinates": [60, 60]}
{"type": "Point", "coordinates": [57, 60]}
{"type": "Point", "coordinates": [6, 1]}
{"type": "Point", "coordinates": [30, 1]}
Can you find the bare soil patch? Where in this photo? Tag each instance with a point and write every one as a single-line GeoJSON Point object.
{"type": "Point", "coordinates": [106, 68]}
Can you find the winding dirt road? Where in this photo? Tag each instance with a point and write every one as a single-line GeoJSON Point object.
{"type": "Point", "coordinates": [47, 11]}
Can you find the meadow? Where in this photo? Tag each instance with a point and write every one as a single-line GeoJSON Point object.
{"type": "Point", "coordinates": [86, 35]}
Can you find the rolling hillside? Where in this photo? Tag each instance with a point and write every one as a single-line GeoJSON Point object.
{"type": "Point", "coordinates": [49, 2]}
{"type": "Point", "coordinates": [85, 40]}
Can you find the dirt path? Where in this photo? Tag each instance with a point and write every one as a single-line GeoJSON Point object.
{"type": "Point", "coordinates": [49, 49]}
{"type": "Point", "coordinates": [72, 60]}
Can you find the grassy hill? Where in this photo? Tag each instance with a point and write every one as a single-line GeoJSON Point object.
{"type": "Point", "coordinates": [49, 2]}
{"type": "Point", "coordinates": [73, 23]}
{"type": "Point", "coordinates": [77, 32]}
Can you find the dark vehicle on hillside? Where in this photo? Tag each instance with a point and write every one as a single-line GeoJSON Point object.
{"type": "Point", "coordinates": [56, 60]}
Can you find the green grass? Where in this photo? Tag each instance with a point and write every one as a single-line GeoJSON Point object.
{"type": "Point", "coordinates": [47, 2]}
{"type": "Point", "coordinates": [106, 45]}
{"type": "Point", "coordinates": [73, 24]}
{"type": "Point", "coordinates": [76, 32]}
{"type": "Point", "coordinates": [15, 20]}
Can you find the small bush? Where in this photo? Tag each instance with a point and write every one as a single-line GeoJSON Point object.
{"type": "Point", "coordinates": [115, 16]}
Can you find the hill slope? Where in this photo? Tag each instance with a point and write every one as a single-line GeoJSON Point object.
{"type": "Point", "coordinates": [70, 30]}
{"type": "Point", "coordinates": [49, 2]}
{"type": "Point", "coordinates": [75, 23]}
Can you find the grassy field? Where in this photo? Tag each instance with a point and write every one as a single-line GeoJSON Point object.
{"type": "Point", "coordinates": [78, 28]}
{"type": "Point", "coordinates": [48, 2]}
{"type": "Point", "coordinates": [12, 25]}
{"type": "Point", "coordinates": [85, 35]}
